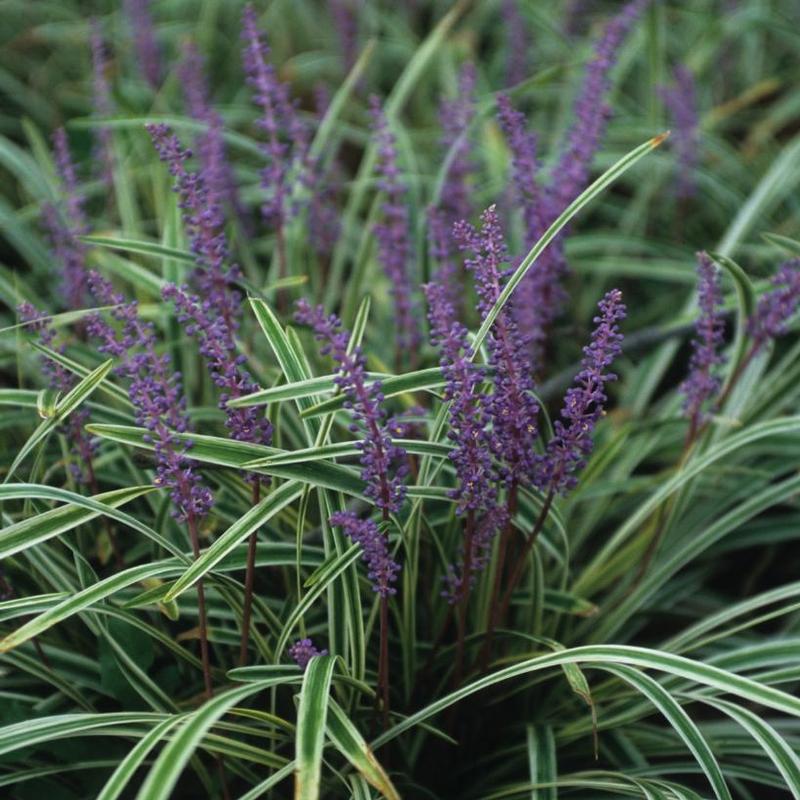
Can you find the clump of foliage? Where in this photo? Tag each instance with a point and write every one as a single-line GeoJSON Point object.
{"type": "Point", "coordinates": [393, 407]}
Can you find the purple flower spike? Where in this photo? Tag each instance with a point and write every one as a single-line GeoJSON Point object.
{"type": "Point", "coordinates": [210, 143]}
{"type": "Point", "coordinates": [287, 137]}
{"type": "Point", "coordinates": [583, 405]}
{"type": "Point", "coordinates": [345, 21]}
{"type": "Point", "coordinates": [681, 102]}
{"type": "Point", "coordinates": [384, 464]}
{"type": "Point", "coordinates": [204, 222]}
{"type": "Point", "coordinates": [144, 40]}
{"type": "Point", "coordinates": [511, 406]}
{"type": "Point", "coordinates": [64, 228]}
{"type": "Point", "coordinates": [471, 453]}
{"type": "Point", "coordinates": [702, 384]}
{"type": "Point", "coordinates": [157, 395]}
{"type": "Point", "coordinates": [394, 245]}
{"type": "Point", "coordinates": [590, 112]}
{"type": "Point", "coordinates": [303, 650]}
{"type": "Point", "coordinates": [456, 116]}
{"type": "Point", "coordinates": [541, 294]}
{"type": "Point", "coordinates": [517, 43]}
{"type": "Point", "coordinates": [200, 320]}
{"type": "Point", "coordinates": [381, 568]}
{"type": "Point", "coordinates": [103, 105]}
{"type": "Point", "coordinates": [81, 444]}
{"type": "Point", "coordinates": [776, 308]}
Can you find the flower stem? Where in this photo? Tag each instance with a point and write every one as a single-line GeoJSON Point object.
{"type": "Point", "coordinates": [463, 599]}
{"type": "Point", "coordinates": [249, 579]}
{"type": "Point", "coordinates": [498, 576]}
{"type": "Point", "coordinates": [519, 568]}
{"type": "Point", "coordinates": [201, 610]}
{"type": "Point", "coordinates": [383, 652]}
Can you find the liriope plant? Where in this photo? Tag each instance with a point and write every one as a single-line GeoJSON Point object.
{"type": "Point", "coordinates": [336, 464]}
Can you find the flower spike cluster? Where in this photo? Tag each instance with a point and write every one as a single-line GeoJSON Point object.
{"type": "Point", "coordinates": [226, 368]}
{"type": "Point", "coordinates": [65, 227]}
{"type": "Point", "coordinates": [471, 454]}
{"type": "Point", "coordinates": [384, 464]}
{"type": "Point", "coordinates": [204, 222]}
{"type": "Point", "coordinates": [345, 21]}
{"type": "Point", "coordinates": [590, 111]}
{"type": "Point", "coordinates": [157, 395]}
{"type": "Point", "coordinates": [210, 143]}
{"type": "Point", "coordinates": [286, 142]}
{"type": "Point", "coordinates": [681, 102]}
{"type": "Point", "coordinates": [702, 383]}
{"type": "Point", "coordinates": [394, 244]}
{"type": "Point", "coordinates": [541, 293]}
{"type": "Point", "coordinates": [303, 650]}
{"type": "Point", "coordinates": [148, 52]}
{"type": "Point", "coordinates": [103, 105]}
{"type": "Point", "coordinates": [776, 308]}
{"type": "Point", "coordinates": [381, 568]}
{"type": "Point", "coordinates": [511, 406]}
{"type": "Point", "coordinates": [517, 43]}
{"type": "Point", "coordinates": [58, 377]}
{"type": "Point", "coordinates": [583, 405]}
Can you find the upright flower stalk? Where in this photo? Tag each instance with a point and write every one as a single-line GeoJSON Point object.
{"type": "Point", "coordinates": [703, 383]}
{"type": "Point", "coordinates": [66, 225]}
{"type": "Point", "coordinates": [210, 144]}
{"type": "Point", "coordinates": [286, 143]}
{"type": "Point", "coordinates": [384, 465]}
{"type": "Point", "coordinates": [157, 396]}
{"type": "Point", "coordinates": [512, 407]}
{"type": "Point", "coordinates": [517, 43]}
{"type": "Point", "coordinates": [681, 102]}
{"type": "Point", "coordinates": [103, 105]}
{"type": "Point", "coordinates": [541, 292]}
{"type": "Point", "coordinates": [214, 319]}
{"type": "Point", "coordinates": [584, 404]}
{"type": "Point", "coordinates": [394, 238]}
{"type": "Point", "coordinates": [476, 493]}
{"type": "Point", "coordinates": [82, 448]}
{"type": "Point", "coordinates": [148, 53]}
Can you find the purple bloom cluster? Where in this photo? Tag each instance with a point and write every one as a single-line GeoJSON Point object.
{"type": "Point", "coordinates": [286, 143]}
{"type": "Point", "coordinates": [512, 406]}
{"type": "Point", "coordinates": [217, 347]}
{"type": "Point", "coordinates": [144, 38]}
{"type": "Point", "coordinates": [583, 405]}
{"type": "Point", "coordinates": [575, 16]}
{"type": "Point", "coordinates": [303, 650]}
{"type": "Point", "coordinates": [590, 111]}
{"type": "Point", "coordinates": [345, 21]}
{"type": "Point", "coordinates": [210, 145]}
{"type": "Point", "coordinates": [517, 43]}
{"type": "Point", "coordinates": [103, 105]}
{"type": "Point", "coordinates": [394, 245]}
{"type": "Point", "coordinates": [472, 453]}
{"type": "Point", "coordinates": [541, 294]}
{"type": "Point", "coordinates": [61, 379]}
{"type": "Point", "coordinates": [384, 465]}
{"type": "Point", "coordinates": [456, 115]}
{"type": "Point", "coordinates": [681, 102]}
{"type": "Point", "coordinates": [204, 222]}
{"type": "Point", "coordinates": [381, 568]}
{"type": "Point", "coordinates": [156, 394]}
{"type": "Point", "coordinates": [65, 228]}
{"type": "Point", "coordinates": [776, 308]}
{"type": "Point", "coordinates": [702, 384]}
{"type": "Point", "coordinates": [469, 419]}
